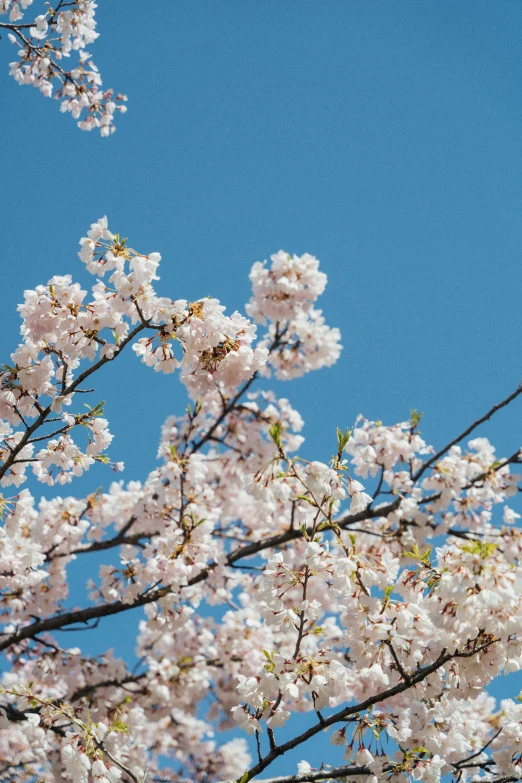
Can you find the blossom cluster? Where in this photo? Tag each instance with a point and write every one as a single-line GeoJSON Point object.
{"type": "Point", "coordinates": [283, 297]}
{"type": "Point", "coordinates": [44, 47]}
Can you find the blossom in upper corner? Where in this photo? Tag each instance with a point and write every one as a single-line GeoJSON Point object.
{"type": "Point", "coordinates": [53, 36]}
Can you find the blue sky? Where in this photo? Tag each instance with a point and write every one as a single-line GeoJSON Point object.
{"type": "Point", "coordinates": [383, 137]}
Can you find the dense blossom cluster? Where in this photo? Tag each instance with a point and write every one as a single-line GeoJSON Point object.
{"type": "Point", "coordinates": [380, 592]}
{"type": "Point", "coordinates": [283, 297]}
{"type": "Point", "coordinates": [46, 44]}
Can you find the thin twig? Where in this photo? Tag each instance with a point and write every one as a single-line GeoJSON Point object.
{"type": "Point", "coordinates": [467, 431]}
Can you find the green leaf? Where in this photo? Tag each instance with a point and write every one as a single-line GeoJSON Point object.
{"type": "Point", "coordinates": [416, 554]}
{"type": "Point", "coordinates": [303, 497]}
{"type": "Point", "coordinates": [388, 590]}
{"type": "Point", "coordinates": [97, 410]}
{"type": "Point", "coordinates": [275, 433]}
{"type": "Point", "coordinates": [118, 725]}
{"type": "Point", "coordinates": [482, 548]}
{"type": "Point", "coordinates": [415, 416]}
{"type": "Point", "coordinates": [342, 439]}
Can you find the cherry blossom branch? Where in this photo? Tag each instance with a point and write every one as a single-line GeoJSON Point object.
{"type": "Point", "coordinates": [322, 774]}
{"type": "Point", "coordinates": [16, 716]}
{"type": "Point", "coordinates": [122, 766]}
{"type": "Point", "coordinates": [202, 531]}
{"type": "Point", "coordinates": [25, 439]}
{"type": "Point", "coordinates": [276, 751]}
{"type": "Point", "coordinates": [226, 410]}
{"type": "Point", "coordinates": [108, 543]}
{"type": "Point", "coordinates": [507, 779]}
{"type": "Point", "coordinates": [96, 612]}
{"type": "Point", "coordinates": [405, 676]}
{"type": "Point", "coordinates": [86, 690]}
{"type": "Point", "coordinates": [478, 752]}
{"type": "Point", "coordinates": [120, 539]}
{"type": "Point", "coordinates": [229, 407]}
{"type": "Point", "coordinates": [345, 713]}
{"type": "Point", "coordinates": [14, 27]}
{"type": "Point", "coordinates": [467, 431]}
{"type": "Point", "coordinates": [105, 610]}
{"type": "Point", "coordinates": [54, 35]}
{"type": "Point", "coordinates": [512, 460]}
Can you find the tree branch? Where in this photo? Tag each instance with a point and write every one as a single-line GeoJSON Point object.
{"type": "Point", "coordinates": [232, 404]}
{"type": "Point", "coordinates": [105, 610]}
{"type": "Point", "coordinates": [459, 764]}
{"type": "Point", "coordinates": [86, 690]}
{"type": "Point", "coordinates": [322, 774]}
{"type": "Point", "coordinates": [415, 678]}
{"type": "Point", "coordinates": [24, 440]}
{"type": "Point", "coordinates": [467, 431]}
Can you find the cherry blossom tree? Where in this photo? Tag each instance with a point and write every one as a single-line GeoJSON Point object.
{"type": "Point", "coordinates": [374, 598]}
{"type": "Point", "coordinates": [45, 44]}
{"type": "Point", "coordinates": [380, 593]}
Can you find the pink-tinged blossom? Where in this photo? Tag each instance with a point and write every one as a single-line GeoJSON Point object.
{"type": "Point", "coordinates": [14, 8]}
{"type": "Point", "coordinates": [76, 763]}
{"type": "Point", "coordinates": [285, 290]}
{"type": "Point", "coordinates": [283, 296]}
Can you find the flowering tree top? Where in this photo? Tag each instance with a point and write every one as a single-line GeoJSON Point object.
{"type": "Point", "coordinates": [379, 593]}
{"type": "Point", "coordinates": [374, 597]}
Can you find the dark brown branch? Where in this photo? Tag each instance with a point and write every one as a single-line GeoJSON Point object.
{"type": "Point", "coordinates": [16, 716]}
{"type": "Point", "coordinates": [226, 410]}
{"type": "Point", "coordinates": [345, 713]}
{"type": "Point", "coordinates": [465, 761]}
{"type": "Point", "coordinates": [405, 676]}
{"type": "Point", "coordinates": [322, 774]}
{"type": "Point", "coordinates": [122, 766]}
{"type": "Point", "coordinates": [86, 690]}
{"type": "Point", "coordinates": [467, 431]}
{"type": "Point", "coordinates": [229, 407]}
{"type": "Point", "coordinates": [15, 27]}
{"type": "Point", "coordinates": [106, 610]}
{"type": "Point", "coordinates": [120, 539]}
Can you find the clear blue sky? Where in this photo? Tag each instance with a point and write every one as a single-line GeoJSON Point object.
{"type": "Point", "coordinates": [383, 137]}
